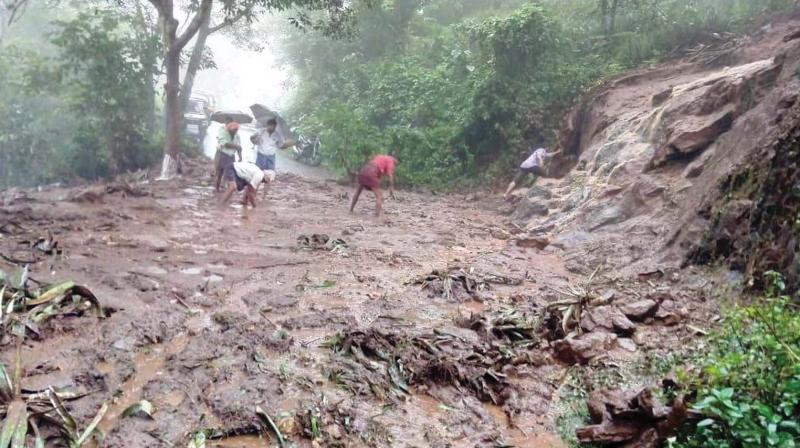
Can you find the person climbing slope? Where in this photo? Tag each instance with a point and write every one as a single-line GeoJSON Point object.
{"type": "Point", "coordinates": [369, 177]}
{"type": "Point", "coordinates": [534, 164]}
{"type": "Point", "coordinates": [248, 177]}
{"type": "Point", "coordinates": [228, 147]}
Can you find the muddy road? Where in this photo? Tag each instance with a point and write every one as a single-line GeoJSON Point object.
{"type": "Point", "coordinates": [214, 312]}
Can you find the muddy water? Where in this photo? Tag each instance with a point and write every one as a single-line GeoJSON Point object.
{"type": "Point", "coordinates": [148, 366]}
{"type": "Point", "coordinates": [240, 442]}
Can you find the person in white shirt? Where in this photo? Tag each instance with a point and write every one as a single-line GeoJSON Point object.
{"type": "Point", "coordinates": [248, 177]}
{"type": "Point", "coordinates": [268, 141]}
{"type": "Point", "coordinates": [534, 164]}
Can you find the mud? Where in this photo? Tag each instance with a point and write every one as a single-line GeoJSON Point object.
{"type": "Point", "coordinates": [441, 306]}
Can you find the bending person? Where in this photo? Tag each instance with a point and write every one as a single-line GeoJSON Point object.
{"type": "Point", "coordinates": [369, 177]}
{"type": "Point", "coordinates": [248, 177]}
{"type": "Point", "coordinates": [534, 164]}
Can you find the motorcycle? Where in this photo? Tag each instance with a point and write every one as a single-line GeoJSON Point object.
{"type": "Point", "coordinates": [307, 150]}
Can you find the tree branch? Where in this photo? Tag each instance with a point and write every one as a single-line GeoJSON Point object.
{"type": "Point", "coordinates": [228, 22]}
{"type": "Point", "coordinates": [191, 30]}
{"type": "Point", "coordinates": [159, 5]}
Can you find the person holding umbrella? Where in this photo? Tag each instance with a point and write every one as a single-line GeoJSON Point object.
{"type": "Point", "coordinates": [228, 146]}
{"type": "Point", "coordinates": [268, 141]}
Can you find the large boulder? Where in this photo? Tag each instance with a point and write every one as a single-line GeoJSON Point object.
{"type": "Point", "coordinates": [692, 116]}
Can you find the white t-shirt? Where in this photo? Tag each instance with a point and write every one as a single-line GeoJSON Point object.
{"type": "Point", "coordinates": [250, 172]}
{"type": "Point", "coordinates": [535, 159]}
{"type": "Point", "coordinates": [269, 143]}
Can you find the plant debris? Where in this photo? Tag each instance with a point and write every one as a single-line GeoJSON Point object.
{"type": "Point", "coordinates": [386, 363]}
{"type": "Point", "coordinates": [44, 410]}
{"type": "Point", "coordinates": [512, 325]}
{"type": "Point", "coordinates": [321, 241]}
{"type": "Point", "coordinates": [458, 284]}
{"type": "Point", "coordinates": [23, 309]}
{"type": "Point", "coordinates": [142, 409]}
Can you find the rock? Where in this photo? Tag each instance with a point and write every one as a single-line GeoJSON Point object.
{"type": "Point", "coordinates": [667, 313]}
{"type": "Point", "coordinates": [660, 97]}
{"type": "Point", "coordinates": [605, 403]}
{"type": "Point", "coordinates": [788, 100]}
{"type": "Point", "coordinates": [334, 431]}
{"type": "Point", "coordinates": [538, 242]}
{"type": "Point", "coordinates": [627, 344]}
{"type": "Point", "coordinates": [689, 138]}
{"type": "Point", "coordinates": [698, 112]}
{"type": "Point", "coordinates": [571, 240]}
{"type": "Point", "coordinates": [537, 191]}
{"type": "Point", "coordinates": [528, 208]}
{"type": "Point", "coordinates": [500, 234]}
{"type": "Point", "coordinates": [698, 165]}
{"type": "Point", "coordinates": [640, 310]}
{"type": "Point", "coordinates": [609, 318]}
{"type": "Point", "coordinates": [584, 348]}
{"type": "Point", "coordinates": [605, 434]}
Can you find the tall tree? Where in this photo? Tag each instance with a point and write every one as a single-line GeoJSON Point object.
{"type": "Point", "coordinates": [334, 19]}
{"type": "Point", "coordinates": [173, 44]}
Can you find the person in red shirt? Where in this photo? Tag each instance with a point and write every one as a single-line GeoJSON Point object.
{"type": "Point", "coordinates": [369, 177]}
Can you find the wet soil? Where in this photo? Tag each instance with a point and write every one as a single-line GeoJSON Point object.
{"type": "Point", "coordinates": [216, 310]}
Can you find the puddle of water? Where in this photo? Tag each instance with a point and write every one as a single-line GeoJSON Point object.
{"type": "Point", "coordinates": [213, 278]}
{"type": "Point", "coordinates": [194, 270]}
{"type": "Point", "coordinates": [148, 366]}
{"type": "Point", "coordinates": [240, 442]}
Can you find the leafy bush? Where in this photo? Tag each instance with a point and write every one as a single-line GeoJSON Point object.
{"type": "Point", "coordinates": [749, 387]}
{"type": "Point", "coordinates": [83, 105]}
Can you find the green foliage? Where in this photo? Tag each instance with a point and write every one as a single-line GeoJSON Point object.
{"type": "Point", "coordinates": [80, 104]}
{"type": "Point", "coordinates": [107, 77]}
{"type": "Point", "coordinates": [461, 88]}
{"type": "Point", "coordinates": [749, 388]}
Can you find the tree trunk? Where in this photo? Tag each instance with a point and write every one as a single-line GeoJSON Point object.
{"type": "Point", "coordinates": [194, 61]}
{"type": "Point", "coordinates": [173, 45]}
{"type": "Point", "coordinates": [173, 114]}
{"type": "Point", "coordinates": [613, 19]}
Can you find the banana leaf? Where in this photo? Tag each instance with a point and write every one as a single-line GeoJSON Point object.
{"type": "Point", "coordinates": [15, 426]}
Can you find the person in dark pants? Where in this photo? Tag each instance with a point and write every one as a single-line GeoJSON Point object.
{"type": "Point", "coordinates": [534, 164]}
{"type": "Point", "coordinates": [369, 177]}
{"type": "Point", "coordinates": [228, 147]}
{"type": "Point", "coordinates": [248, 177]}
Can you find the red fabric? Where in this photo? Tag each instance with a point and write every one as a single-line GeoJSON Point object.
{"type": "Point", "coordinates": [369, 176]}
{"type": "Point", "coordinates": [385, 164]}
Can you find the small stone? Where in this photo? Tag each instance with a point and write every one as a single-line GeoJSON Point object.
{"type": "Point", "coordinates": [627, 344]}
{"type": "Point", "coordinates": [584, 348]}
{"type": "Point", "coordinates": [334, 431]}
{"type": "Point", "coordinates": [538, 242]}
{"type": "Point", "coordinates": [640, 310]}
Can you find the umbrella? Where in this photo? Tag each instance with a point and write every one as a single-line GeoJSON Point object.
{"type": "Point", "coordinates": [264, 113]}
{"type": "Point", "coordinates": [236, 115]}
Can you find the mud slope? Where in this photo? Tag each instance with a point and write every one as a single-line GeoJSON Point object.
{"type": "Point", "coordinates": [656, 148]}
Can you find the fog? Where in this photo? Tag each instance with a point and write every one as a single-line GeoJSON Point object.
{"type": "Point", "coordinates": [243, 76]}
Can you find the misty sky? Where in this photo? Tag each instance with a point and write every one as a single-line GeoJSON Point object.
{"type": "Point", "coordinates": [242, 77]}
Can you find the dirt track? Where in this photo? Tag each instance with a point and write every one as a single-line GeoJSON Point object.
{"type": "Point", "coordinates": [259, 308]}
